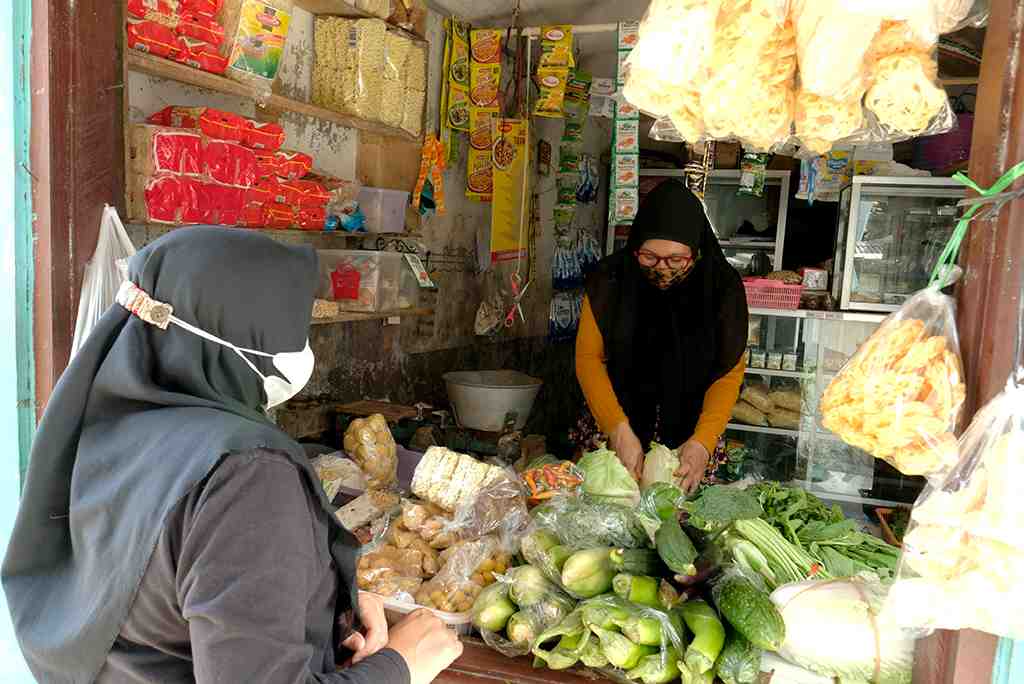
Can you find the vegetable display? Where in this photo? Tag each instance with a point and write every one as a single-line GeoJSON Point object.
{"type": "Point", "coordinates": [606, 479]}
{"type": "Point", "coordinates": [660, 465]}
{"type": "Point", "coordinates": [589, 572]}
{"type": "Point", "coordinates": [739, 662]}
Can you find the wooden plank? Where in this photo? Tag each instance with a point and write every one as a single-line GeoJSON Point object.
{"type": "Point", "coordinates": [391, 412]}
{"type": "Point", "coordinates": [356, 316]}
{"type": "Point", "coordinates": [162, 68]}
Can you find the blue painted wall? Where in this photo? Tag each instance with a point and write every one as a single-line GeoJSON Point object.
{"type": "Point", "coordinates": [16, 372]}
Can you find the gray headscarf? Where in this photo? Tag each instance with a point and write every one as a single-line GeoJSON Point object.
{"type": "Point", "coordinates": [139, 418]}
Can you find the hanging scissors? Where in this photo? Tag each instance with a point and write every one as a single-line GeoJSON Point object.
{"type": "Point", "coordinates": [517, 298]}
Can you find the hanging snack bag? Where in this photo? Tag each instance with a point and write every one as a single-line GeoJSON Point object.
{"type": "Point", "coordinates": [963, 553]}
{"type": "Point", "coordinates": [556, 46]}
{"type": "Point", "coordinates": [752, 174]}
{"type": "Point", "coordinates": [552, 82]}
{"type": "Point", "coordinates": [256, 33]}
{"type": "Point", "coordinates": [899, 397]}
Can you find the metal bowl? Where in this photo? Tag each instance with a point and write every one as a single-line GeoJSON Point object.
{"type": "Point", "coordinates": [487, 400]}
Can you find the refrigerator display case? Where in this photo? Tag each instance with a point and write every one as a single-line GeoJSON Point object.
{"type": "Point", "coordinates": [890, 235]}
{"type": "Point", "coordinates": [790, 444]}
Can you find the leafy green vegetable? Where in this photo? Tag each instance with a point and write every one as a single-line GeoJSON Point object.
{"type": "Point", "coordinates": [605, 478]}
{"type": "Point", "coordinates": [719, 505]}
{"type": "Point", "coordinates": [786, 562]}
{"type": "Point", "coordinates": [660, 500]}
{"type": "Point", "coordinates": [660, 465]}
{"type": "Point", "coordinates": [581, 522]}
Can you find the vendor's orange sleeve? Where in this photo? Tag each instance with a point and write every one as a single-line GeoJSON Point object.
{"type": "Point", "coordinates": [592, 373]}
{"type": "Point", "coordinates": [719, 401]}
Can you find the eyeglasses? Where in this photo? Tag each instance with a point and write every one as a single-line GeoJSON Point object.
{"type": "Point", "coordinates": [652, 260]}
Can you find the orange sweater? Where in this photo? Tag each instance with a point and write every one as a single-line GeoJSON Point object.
{"type": "Point", "coordinates": [592, 372]}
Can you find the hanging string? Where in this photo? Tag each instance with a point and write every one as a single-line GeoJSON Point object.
{"type": "Point", "coordinates": [1017, 375]}
{"type": "Point", "coordinates": [950, 254]}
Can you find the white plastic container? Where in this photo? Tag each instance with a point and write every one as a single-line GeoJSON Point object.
{"type": "Point", "coordinates": [361, 280]}
{"type": "Point", "coordinates": [384, 209]}
{"type": "Point", "coordinates": [395, 611]}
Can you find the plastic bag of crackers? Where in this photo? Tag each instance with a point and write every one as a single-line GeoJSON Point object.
{"type": "Point", "coordinates": [963, 553]}
{"type": "Point", "coordinates": [899, 397]}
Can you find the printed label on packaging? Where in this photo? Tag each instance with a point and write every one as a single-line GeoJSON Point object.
{"type": "Point", "coordinates": [259, 43]}
{"type": "Point", "coordinates": [627, 170]}
{"type": "Point", "coordinates": [627, 137]}
{"type": "Point", "coordinates": [626, 202]}
{"type": "Point", "coordinates": [422, 277]}
{"type": "Point", "coordinates": [602, 86]}
{"type": "Point", "coordinates": [624, 111]}
{"type": "Point", "coordinates": [629, 34]}
{"type": "Point", "coordinates": [622, 69]}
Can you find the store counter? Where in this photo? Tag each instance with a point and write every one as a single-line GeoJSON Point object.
{"type": "Point", "coordinates": [479, 663]}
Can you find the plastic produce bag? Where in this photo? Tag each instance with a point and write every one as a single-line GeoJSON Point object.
{"type": "Point", "coordinates": [522, 605]}
{"type": "Point", "coordinates": [466, 569]}
{"type": "Point", "coordinates": [860, 644]}
{"type": "Point", "coordinates": [899, 397]}
{"type": "Point", "coordinates": [581, 523]}
{"type": "Point", "coordinates": [963, 553]}
{"type": "Point", "coordinates": [336, 472]}
{"type": "Point", "coordinates": [498, 508]}
{"type": "Point", "coordinates": [369, 443]}
{"type": "Point", "coordinates": [103, 276]}
{"type": "Point", "coordinates": [450, 479]}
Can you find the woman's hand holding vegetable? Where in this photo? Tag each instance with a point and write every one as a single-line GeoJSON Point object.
{"type": "Point", "coordinates": [371, 610]}
{"type": "Point", "coordinates": [426, 645]}
{"type": "Point", "coordinates": [693, 461]}
{"type": "Point", "coordinates": [627, 447]}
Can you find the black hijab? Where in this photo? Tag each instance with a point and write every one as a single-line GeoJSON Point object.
{"type": "Point", "coordinates": [664, 348]}
{"type": "Point", "coordinates": [138, 419]}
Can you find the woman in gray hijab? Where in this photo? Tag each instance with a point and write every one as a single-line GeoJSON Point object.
{"type": "Point", "coordinates": [168, 531]}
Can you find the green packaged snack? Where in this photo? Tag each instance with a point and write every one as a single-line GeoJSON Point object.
{"type": "Point", "coordinates": [753, 170]}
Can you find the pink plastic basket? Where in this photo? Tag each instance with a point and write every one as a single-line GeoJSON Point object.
{"type": "Point", "coordinates": [772, 294]}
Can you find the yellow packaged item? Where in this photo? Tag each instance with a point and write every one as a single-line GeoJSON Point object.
{"type": "Point", "coordinates": [257, 31]}
{"type": "Point", "coordinates": [458, 76]}
{"type": "Point", "coordinates": [552, 82]}
{"type": "Point", "coordinates": [556, 46]}
{"type": "Point", "coordinates": [510, 159]}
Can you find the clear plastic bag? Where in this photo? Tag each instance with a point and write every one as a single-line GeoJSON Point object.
{"type": "Point", "coordinates": [522, 605]}
{"type": "Point", "coordinates": [103, 276]}
{"type": "Point", "coordinates": [499, 508]}
{"type": "Point", "coordinates": [963, 553]}
{"type": "Point", "coordinates": [466, 569]}
{"type": "Point", "coordinates": [336, 471]}
{"type": "Point", "coordinates": [450, 479]}
{"type": "Point", "coordinates": [369, 443]}
{"type": "Point", "coordinates": [860, 644]}
{"type": "Point", "coordinates": [580, 523]}
{"type": "Point", "coordinates": [899, 397]}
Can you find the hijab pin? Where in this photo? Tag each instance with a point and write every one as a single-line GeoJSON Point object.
{"type": "Point", "coordinates": [140, 304]}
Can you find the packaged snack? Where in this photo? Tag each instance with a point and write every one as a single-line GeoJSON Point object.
{"type": "Point", "coordinates": [899, 397]}
{"type": "Point", "coordinates": [753, 170]}
{"type": "Point", "coordinates": [627, 137]}
{"type": "Point", "coordinates": [369, 443]}
{"type": "Point", "coordinates": [745, 413]}
{"type": "Point", "coordinates": [552, 84]}
{"type": "Point", "coordinates": [784, 418]}
{"type": "Point", "coordinates": [154, 38]}
{"type": "Point", "coordinates": [263, 136]}
{"type": "Point", "coordinates": [757, 358]}
{"type": "Point", "coordinates": [757, 394]}
{"type": "Point", "coordinates": [201, 55]}
{"type": "Point", "coordinates": [335, 471]}
{"type": "Point", "coordinates": [214, 123]}
{"type": "Point", "coordinates": [627, 170]}
{"type": "Point", "coordinates": [257, 31]}
{"type": "Point", "coordinates": [556, 46]}
{"type": "Point", "coordinates": [774, 361]}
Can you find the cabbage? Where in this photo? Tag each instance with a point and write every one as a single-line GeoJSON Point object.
{"type": "Point", "coordinates": [660, 465]}
{"type": "Point", "coordinates": [835, 629]}
{"type": "Point", "coordinates": [606, 479]}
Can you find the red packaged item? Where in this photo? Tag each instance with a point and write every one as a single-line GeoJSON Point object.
{"type": "Point", "coordinates": [164, 198]}
{"type": "Point", "coordinates": [266, 164]}
{"type": "Point", "coordinates": [229, 163]}
{"type": "Point", "coordinates": [215, 123]}
{"type": "Point", "coordinates": [264, 136]}
{"type": "Point", "coordinates": [224, 203]}
{"type": "Point", "coordinates": [211, 7]}
{"type": "Point", "coordinates": [345, 283]}
{"type": "Point", "coordinates": [311, 219]}
{"type": "Point", "coordinates": [277, 215]}
{"type": "Point", "coordinates": [154, 150]}
{"type": "Point", "coordinates": [252, 216]}
{"type": "Point", "coordinates": [194, 208]}
{"type": "Point", "coordinates": [203, 56]}
{"type": "Point", "coordinates": [304, 194]}
{"type": "Point", "coordinates": [263, 191]}
{"type": "Point", "coordinates": [152, 10]}
{"type": "Point", "coordinates": [293, 165]}
{"type": "Point", "coordinates": [201, 27]}
{"type": "Point", "coordinates": [154, 38]}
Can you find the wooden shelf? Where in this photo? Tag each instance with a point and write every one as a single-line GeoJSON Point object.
{"type": "Point", "coordinates": [856, 316]}
{"type": "Point", "coordinates": [342, 8]}
{"type": "Point", "coordinates": [162, 68]}
{"type": "Point", "coordinates": [353, 316]}
{"type": "Point", "coordinates": [142, 234]}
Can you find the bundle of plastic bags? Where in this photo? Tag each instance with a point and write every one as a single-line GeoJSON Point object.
{"type": "Point", "coordinates": [770, 72]}
{"type": "Point", "coordinates": [963, 553]}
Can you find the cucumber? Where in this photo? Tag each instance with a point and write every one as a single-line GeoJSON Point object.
{"type": "Point", "coordinates": [637, 562]}
{"type": "Point", "coordinates": [675, 548]}
{"type": "Point", "coordinates": [751, 612]}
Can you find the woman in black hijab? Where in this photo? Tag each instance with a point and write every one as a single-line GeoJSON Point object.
{"type": "Point", "coordinates": [660, 350]}
{"type": "Point", "coordinates": [168, 531]}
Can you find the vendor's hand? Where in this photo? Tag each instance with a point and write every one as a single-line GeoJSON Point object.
{"type": "Point", "coordinates": [426, 645]}
{"type": "Point", "coordinates": [371, 611]}
{"type": "Point", "coordinates": [627, 447]}
{"type": "Point", "coordinates": [693, 461]}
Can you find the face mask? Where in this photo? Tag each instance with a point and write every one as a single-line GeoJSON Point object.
{"type": "Point", "coordinates": [296, 367]}
{"type": "Point", "coordinates": [664, 279]}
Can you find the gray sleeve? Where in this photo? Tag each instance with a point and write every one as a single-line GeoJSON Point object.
{"type": "Point", "coordinates": [246, 567]}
